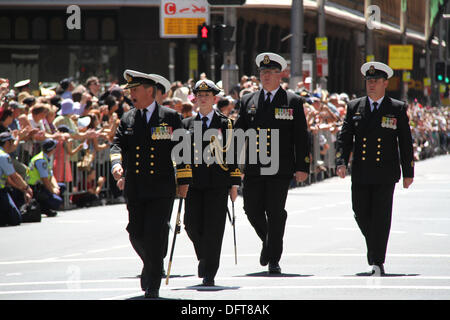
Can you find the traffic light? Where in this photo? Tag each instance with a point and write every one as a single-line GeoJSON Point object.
{"type": "Point", "coordinates": [204, 38]}
{"type": "Point", "coordinates": [222, 38]}
{"type": "Point", "coordinates": [440, 71]}
{"type": "Point", "coordinates": [447, 74]}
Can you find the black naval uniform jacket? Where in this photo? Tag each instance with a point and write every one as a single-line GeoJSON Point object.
{"type": "Point", "coordinates": [144, 150]}
{"type": "Point", "coordinates": [213, 175]}
{"type": "Point", "coordinates": [380, 142]}
{"type": "Point", "coordinates": [206, 201]}
{"type": "Point", "coordinates": [286, 114]}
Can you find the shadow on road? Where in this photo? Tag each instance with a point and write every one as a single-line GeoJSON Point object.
{"type": "Point", "coordinates": [387, 275]}
{"type": "Point", "coordinates": [200, 287]}
{"type": "Point", "coordinates": [280, 275]}
{"type": "Point", "coordinates": [141, 297]}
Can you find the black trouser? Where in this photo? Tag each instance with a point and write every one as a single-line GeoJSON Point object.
{"type": "Point", "coordinates": [148, 235]}
{"type": "Point", "coordinates": [204, 220]}
{"type": "Point", "coordinates": [9, 213]}
{"type": "Point", "coordinates": [264, 201]}
{"type": "Point", "coordinates": [372, 204]}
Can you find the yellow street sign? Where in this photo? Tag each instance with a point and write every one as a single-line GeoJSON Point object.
{"type": "Point", "coordinates": [370, 58]}
{"type": "Point", "coordinates": [401, 56]}
{"type": "Point", "coordinates": [406, 76]}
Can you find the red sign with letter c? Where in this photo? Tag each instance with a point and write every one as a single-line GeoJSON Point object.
{"type": "Point", "coordinates": [170, 8]}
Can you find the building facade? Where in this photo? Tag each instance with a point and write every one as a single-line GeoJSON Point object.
{"type": "Point", "coordinates": [36, 43]}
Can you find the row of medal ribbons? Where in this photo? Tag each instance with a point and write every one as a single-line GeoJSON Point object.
{"type": "Point", "coordinates": [284, 113]}
{"type": "Point", "coordinates": [161, 133]}
{"type": "Point", "coordinates": [388, 122]}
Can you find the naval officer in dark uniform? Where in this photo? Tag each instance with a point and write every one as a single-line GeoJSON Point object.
{"type": "Point", "coordinates": [212, 182]}
{"type": "Point", "coordinates": [142, 164]}
{"type": "Point", "coordinates": [269, 111]}
{"type": "Point", "coordinates": [376, 130]}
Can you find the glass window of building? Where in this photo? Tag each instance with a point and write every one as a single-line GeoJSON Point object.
{"type": "Point", "coordinates": [39, 29]}
{"type": "Point", "coordinates": [57, 29]}
{"type": "Point", "coordinates": [5, 28]}
{"type": "Point", "coordinates": [21, 29]}
{"type": "Point", "coordinates": [108, 29]}
{"type": "Point", "coordinates": [91, 29]}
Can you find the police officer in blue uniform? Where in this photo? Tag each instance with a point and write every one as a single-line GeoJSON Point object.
{"type": "Point", "coordinates": [9, 213]}
{"type": "Point", "coordinates": [273, 108]}
{"type": "Point", "coordinates": [212, 181]}
{"type": "Point", "coordinates": [48, 192]}
{"type": "Point", "coordinates": [376, 130]}
{"type": "Point", "coordinates": [142, 164]}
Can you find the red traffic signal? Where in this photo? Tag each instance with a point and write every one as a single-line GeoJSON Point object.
{"type": "Point", "coordinates": [204, 32]}
{"type": "Point", "coordinates": [204, 38]}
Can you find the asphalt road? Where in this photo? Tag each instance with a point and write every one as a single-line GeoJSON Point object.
{"type": "Point", "coordinates": [85, 254]}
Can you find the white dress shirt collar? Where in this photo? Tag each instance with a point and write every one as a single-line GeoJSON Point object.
{"type": "Point", "coordinates": [150, 110]}
{"type": "Point", "coordinates": [379, 101]}
{"type": "Point", "coordinates": [272, 93]}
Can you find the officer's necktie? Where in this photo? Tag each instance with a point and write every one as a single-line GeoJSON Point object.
{"type": "Point", "coordinates": [267, 101]}
{"type": "Point", "coordinates": [144, 115]}
{"type": "Point", "coordinates": [375, 105]}
{"type": "Point", "coordinates": [204, 125]}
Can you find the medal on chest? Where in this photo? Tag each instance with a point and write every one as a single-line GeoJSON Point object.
{"type": "Point", "coordinates": [389, 122]}
{"type": "Point", "coordinates": [161, 133]}
{"type": "Point", "coordinates": [284, 113]}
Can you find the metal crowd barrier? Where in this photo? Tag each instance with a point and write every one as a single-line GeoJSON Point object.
{"type": "Point", "coordinates": [101, 165]}
{"type": "Point", "coordinates": [319, 161]}
{"type": "Point", "coordinates": [79, 184]}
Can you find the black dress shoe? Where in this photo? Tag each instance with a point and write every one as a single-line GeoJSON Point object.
{"type": "Point", "coordinates": [49, 212]}
{"type": "Point", "coordinates": [151, 293]}
{"type": "Point", "coordinates": [208, 282]}
{"type": "Point", "coordinates": [377, 270]}
{"type": "Point", "coordinates": [274, 268]}
{"type": "Point", "coordinates": [263, 258]}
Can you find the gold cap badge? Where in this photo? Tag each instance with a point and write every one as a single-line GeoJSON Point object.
{"type": "Point", "coordinates": [203, 86]}
{"type": "Point", "coordinates": [266, 59]}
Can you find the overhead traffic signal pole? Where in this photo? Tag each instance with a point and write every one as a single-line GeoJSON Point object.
{"type": "Point", "coordinates": [229, 69]}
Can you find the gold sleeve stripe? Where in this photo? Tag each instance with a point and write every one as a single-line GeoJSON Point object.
{"type": "Point", "coordinates": [235, 173]}
{"type": "Point", "coordinates": [115, 156]}
{"type": "Point", "coordinates": [184, 175]}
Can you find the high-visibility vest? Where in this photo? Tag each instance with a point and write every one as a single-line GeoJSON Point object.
{"type": "Point", "coordinates": [35, 177]}
{"type": "Point", "coordinates": [3, 177]}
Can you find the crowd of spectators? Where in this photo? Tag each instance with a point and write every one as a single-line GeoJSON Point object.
{"type": "Point", "coordinates": [81, 120]}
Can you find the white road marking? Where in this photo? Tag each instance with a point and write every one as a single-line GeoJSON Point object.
{"type": "Point", "coordinates": [397, 255]}
{"type": "Point", "coordinates": [436, 234]}
{"type": "Point", "coordinates": [232, 278]}
{"type": "Point", "coordinates": [71, 221]}
{"type": "Point", "coordinates": [72, 255]}
{"type": "Point", "coordinates": [286, 287]}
